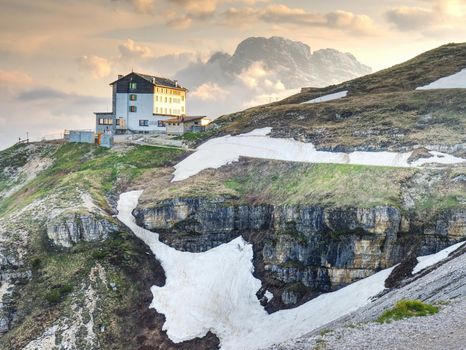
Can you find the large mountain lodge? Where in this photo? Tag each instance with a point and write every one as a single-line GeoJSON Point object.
{"type": "Point", "coordinates": [143, 104]}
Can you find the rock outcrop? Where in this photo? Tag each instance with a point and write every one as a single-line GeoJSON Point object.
{"type": "Point", "coordinates": [72, 227]}
{"type": "Point", "coordinates": [301, 250]}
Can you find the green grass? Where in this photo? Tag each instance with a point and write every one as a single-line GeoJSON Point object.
{"type": "Point", "coordinates": [56, 294]}
{"type": "Point", "coordinates": [407, 308]}
{"type": "Point", "coordinates": [324, 184]}
{"type": "Point", "coordinates": [96, 170]}
{"type": "Point", "coordinates": [195, 138]}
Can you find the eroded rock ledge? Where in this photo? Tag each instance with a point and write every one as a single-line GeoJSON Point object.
{"type": "Point", "coordinates": [302, 251]}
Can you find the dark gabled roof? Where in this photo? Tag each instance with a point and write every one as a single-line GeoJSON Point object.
{"type": "Point", "coordinates": [155, 80]}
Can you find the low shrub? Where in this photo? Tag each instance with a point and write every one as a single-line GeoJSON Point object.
{"type": "Point", "coordinates": [407, 308]}
{"type": "Point", "coordinates": [57, 293]}
{"type": "Point", "coordinates": [36, 262]}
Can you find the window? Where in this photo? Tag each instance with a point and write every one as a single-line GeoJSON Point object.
{"type": "Point", "coordinates": [133, 97]}
{"type": "Point", "coordinates": [143, 123]}
{"type": "Point", "coordinates": [182, 98]}
{"type": "Point", "coordinates": [117, 121]}
{"type": "Point", "coordinates": [132, 108]}
{"type": "Point", "coordinates": [165, 110]}
{"type": "Point", "coordinates": [156, 109]}
{"type": "Point", "coordinates": [166, 99]}
{"type": "Point", "coordinates": [170, 111]}
{"type": "Point", "coordinates": [156, 98]}
{"type": "Point", "coordinates": [105, 121]}
{"type": "Point", "coordinates": [160, 124]}
{"type": "Point", "coordinates": [133, 86]}
{"type": "Point", "coordinates": [170, 100]}
{"type": "Point", "coordinates": [182, 109]}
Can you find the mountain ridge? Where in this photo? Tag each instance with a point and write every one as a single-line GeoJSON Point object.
{"type": "Point", "coordinates": [261, 67]}
{"type": "Point", "coordinates": [72, 275]}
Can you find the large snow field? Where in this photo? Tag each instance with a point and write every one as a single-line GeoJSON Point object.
{"type": "Point", "coordinates": [329, 97]}
{"type": "Point", "coordinates": [454, 81]}
{"type": "Point", "coordinates": [216, 291]}
{"type": "Point", "coordinates": [257, 144]}
{"type": "Point", "coordinates": [430, 260]}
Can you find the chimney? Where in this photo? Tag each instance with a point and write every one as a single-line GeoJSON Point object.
{"type": "Point", "coordinates": [176, 83]}
{"type": "Point", "coordinates": [120, 76]}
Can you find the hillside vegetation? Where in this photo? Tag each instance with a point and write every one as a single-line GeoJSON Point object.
{"type": "Point", "coordinates": [72, 274]}
{"type": "Point", "coordinates": [94, 294]}
{"type": "Point", "coordinates": [382, 111]}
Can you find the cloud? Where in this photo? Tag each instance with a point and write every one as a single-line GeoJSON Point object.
{"type": "Point", "coordinates": [40, 93]}
{"type": "Point", "coordinates": [239, 16]}
{"type": "Point", "coordinates": [197, 8]}
{"type": "Point", "coordinates": [141, 58]}
{"type": "Point", "coordinates": [12, 80]}
{"type": "Point", "coordinates": [180, 22]}
{"type": "Point", "coordinates": [411, 18]}
{"type": "Point", "coordinates": [441, 17]}
{"type": "Point", "coordinates": [362, 24]}
{"type": "Point", "coordinates": [209, 92]}
{"type": "Point", "coordinates": [97, 67]}
{"type": "Point", "coordinates": [281, 14]}
{"type": "Point", "coordinates": [141, 6]}
{"type": "Point", "coordinates": [252, 76]}
{"type": "Point", "coordinates": [338, 19]}
{"type": "Point", "coordinates": [43, 111]}
{"type": "Point", "coordinates": [130, 50]}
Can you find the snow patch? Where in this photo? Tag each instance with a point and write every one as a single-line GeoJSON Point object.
{"type": "Point", "coordinates": [256, 144]}
{"type": "Point", "coordinates": [329, 97]}
{"type": "Point", "coordinates": [454, 81]}
{"type": "Point", "coordinates": [216, 291]}
{"type": "Point", "coordinates": [430, 260]}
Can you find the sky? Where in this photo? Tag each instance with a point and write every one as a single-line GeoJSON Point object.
{"type": "Point", "coordinates": [57, 57]}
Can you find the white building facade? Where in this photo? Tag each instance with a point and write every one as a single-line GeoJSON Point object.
{"type": "Point", "coordinates": [141, 103]}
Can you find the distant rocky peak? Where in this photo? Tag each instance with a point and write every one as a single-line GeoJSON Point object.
{"type": "Point", "coordinates": [260, 48]}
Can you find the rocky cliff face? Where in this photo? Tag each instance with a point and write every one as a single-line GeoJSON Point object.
{"type": "Point", "coordinates": [72, 227]}
{"type": "Point", "coordinates": [301, 250]}
{"type": "Point", "coordinates": [293, 61]}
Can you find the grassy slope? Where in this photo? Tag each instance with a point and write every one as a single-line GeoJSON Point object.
{"type": "Point", "coordinates": [95, 170]}
{"type": "Point", "coordinates": [274, 182]}
{"type": "Point", "coordinates": [58, 275]}
{"type": "Point", "coordinates": [382, 110]}
{"type": "Point", "coordinates": [418, 71]}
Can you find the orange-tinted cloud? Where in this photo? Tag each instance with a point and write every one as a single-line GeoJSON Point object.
{"type": "Point", "coordinates": [283, 15]}
{"type": "Point", "coordinates": [97, 67]}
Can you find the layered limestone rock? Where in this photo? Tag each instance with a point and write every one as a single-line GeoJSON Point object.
{"type": "Point", "coordinates": [199, 224]}
{"type": "Point", "coordinates": [71, 227]}
{"type": "Point", "coordinates": [301, 250]}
